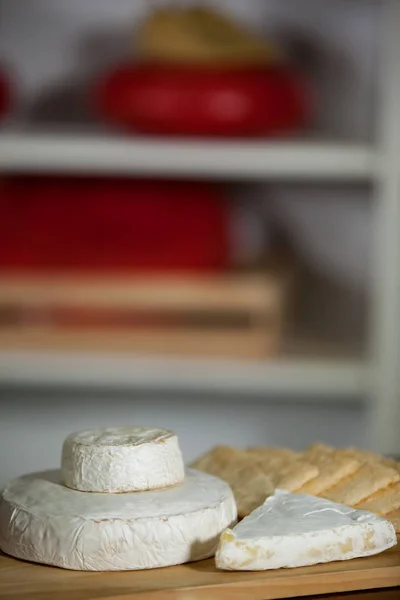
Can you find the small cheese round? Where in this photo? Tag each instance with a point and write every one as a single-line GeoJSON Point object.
{"type": "Point", "coordinates": [43, 521]}
{"type": "Point", "coordinates": [121, 459]}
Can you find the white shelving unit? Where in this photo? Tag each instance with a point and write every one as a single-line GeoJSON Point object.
{"type": "Point", "coordinates": [376, 379]}
{"type": "Point", "coordinates": [123, 156]}
{"type": "Point", "coordinates": [311, 379]}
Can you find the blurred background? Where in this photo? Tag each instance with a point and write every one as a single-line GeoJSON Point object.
{"type": "Point", "coordinates": [195, 228]}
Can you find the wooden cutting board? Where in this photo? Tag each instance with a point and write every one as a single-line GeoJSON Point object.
{"type": "Point", "coordinates": [197, 581]}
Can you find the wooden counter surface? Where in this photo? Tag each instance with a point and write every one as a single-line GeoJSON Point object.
{"type": "Point", "coordinates": [202, 581]}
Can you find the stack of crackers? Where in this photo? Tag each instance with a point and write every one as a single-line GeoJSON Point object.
{"type": "Point", "coordinates": [358, 478]}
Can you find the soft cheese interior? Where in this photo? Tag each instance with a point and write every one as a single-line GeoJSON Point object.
{"type": "Point", "coordinates": [294, 530]}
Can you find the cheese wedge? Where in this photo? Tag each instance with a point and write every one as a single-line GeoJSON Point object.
{"type": "Point", "coordinates": [124, 459]}
{"type": "Point", "coordinates": [296, 530]}
{"type": "Point", "coordinates": [43, 521]}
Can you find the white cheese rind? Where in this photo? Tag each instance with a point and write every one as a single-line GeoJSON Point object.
{"type": "Point", "coordinates": [115, 460]}
{"type": "Point", "coordinates": [297, 530]}
{"type": "Point", "coordinates": [43, 521]}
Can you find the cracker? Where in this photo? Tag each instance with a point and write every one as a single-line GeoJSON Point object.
{"type": "Point", "coordinates": [333, 467]}
{"type": "Point", "coordinates": [383, 502]}
{"type": "Point", "coordinates": [317, 449]}
{"type": "Point", "coordinates": [250, 491]}
{"type": "Point", "coordinates": [362, 455]}
{"type": "Point", "coordinates": [394, 518]}
{"type": "Point", "coordinates": [367, 480]}
{"type": "Point", "coordinates": [250, 484]}
{"type": "Point", "coordinates": [368, 455]}
{"type": "Point", "coordinates": [272, 452]}
{"type": "Point", "coordinates": [293, 475]}
{"type": "Point", "coordinates": [287, 471]}
{"type": "Point", "coordinates": [214, 459]}
{"type": "Point", "coordinates": [226, 462]}
{"type": "Point", "coordinates": [391, 462]}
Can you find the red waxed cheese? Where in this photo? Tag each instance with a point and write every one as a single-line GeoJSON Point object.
{"type": "Point", "coordinates": [203, 102]}
{"type": "Point", "coordinates": [113, 225]}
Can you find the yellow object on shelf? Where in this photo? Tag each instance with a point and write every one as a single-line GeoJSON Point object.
{"type": "Point", "coordinates": [200, 36]}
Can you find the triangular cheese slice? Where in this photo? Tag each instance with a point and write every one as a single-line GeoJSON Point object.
{"type": "Point", "coordinates": [296, 530]}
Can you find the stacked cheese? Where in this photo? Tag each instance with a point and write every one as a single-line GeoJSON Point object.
{"type": "Point", "coordinates": [117, 460]}
{"type": "Point", "coordinates": [353, 477]}
{"type": "Point", "coordinates": [121, 501]}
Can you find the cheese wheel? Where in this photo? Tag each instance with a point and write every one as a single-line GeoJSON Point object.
{"type": "Point", "coordinates": [43, 521]}
{"type": "Point", "coordinates": [123, 459]}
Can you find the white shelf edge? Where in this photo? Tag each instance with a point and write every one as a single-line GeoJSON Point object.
{"type": "Point", "coordinates": [107, 154]}
{"type": "Point", "coordinates": [340, 379]}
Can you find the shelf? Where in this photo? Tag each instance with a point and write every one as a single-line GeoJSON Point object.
{"type": "Point", "coordinates": [107, 155]}
{"type": "Point", "coordinates": [314, 361]}
{"type": "Point", "coordinates": [314, 379]}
